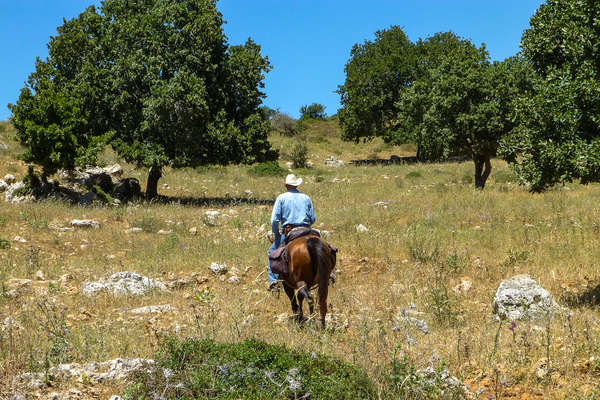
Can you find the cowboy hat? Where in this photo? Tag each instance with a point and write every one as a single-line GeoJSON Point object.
{"type": "Point", "coordinates": [292, 180]}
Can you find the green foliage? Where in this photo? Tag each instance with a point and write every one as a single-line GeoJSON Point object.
{"type": "Point", "coordinates": [104, 197]}
{"type": "Point", "coordinates": [284, 124]}
{"type": "Point", "coordinates": [414, 174]}
{"type": "Point", "coordinates": [156, 80]}
{"type": "Point", "coordinates": [249, 370]}
{"type": "Point", "coordinates": [460, 104]}
{"type": "Point", "coordinates": [376, 73]}
{"type": "Point", "coordinates": [313, 111]}
{"type": "Point", "coordinates": [269, 168]}
{"type": "Point", "coordinates": [4, 244]}
{"type": "Point", "coordinates": [557, 139]}
{"type": "Point", "coordinates": [148, 224]}
{"type": "Point", "coordinates": [299, 155]}
{"type": "Point", "coordinates": [441, 94]}
{"type": "Point", "coordinates": [403, 382]}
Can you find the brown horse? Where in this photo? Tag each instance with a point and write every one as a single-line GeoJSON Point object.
{"type": "Point", "coordinates": [310, 263]}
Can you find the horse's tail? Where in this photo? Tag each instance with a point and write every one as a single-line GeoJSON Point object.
{"type": "Point", "coordinates": [321, 261]}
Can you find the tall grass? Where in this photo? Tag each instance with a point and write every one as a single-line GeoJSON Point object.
{"type": "Point", "coordinates": [433, 230]}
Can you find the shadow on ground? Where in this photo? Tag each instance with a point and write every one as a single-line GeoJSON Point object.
{"type": "Point", "coordinates": [213, 201]}
{"type": "Point", "coordinates": [587, 297]}
{"type": "Point", "coordinates": [405, 160]}
{"type": "Point", "coordinates": [386, 161]}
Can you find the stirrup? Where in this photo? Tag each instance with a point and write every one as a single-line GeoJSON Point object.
{"type": "Point", "coordinates": [274, 287]}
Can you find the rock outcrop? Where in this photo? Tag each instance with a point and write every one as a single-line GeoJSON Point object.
{"type": "Point", "coordinates": [522, 298]}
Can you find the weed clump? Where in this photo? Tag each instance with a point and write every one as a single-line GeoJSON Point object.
{"type": "Point", "coordinates": [269, 168]}
{"type": "Point", "coordinates": [249, 370]}
{"type": "Point", "coordinates": [299, 156]}
{"type": "Point", "coordinates": [414, 174]}
{"type": "Point", "coordinates": [403, 381]}
{"type": "Point", "coordinates": [148, 224]}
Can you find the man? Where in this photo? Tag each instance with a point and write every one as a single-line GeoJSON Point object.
{"type": "Point", "coordinates": [291, 209]}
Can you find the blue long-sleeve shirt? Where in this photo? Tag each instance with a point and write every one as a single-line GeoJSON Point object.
{"type": "Point", "coordinates": [293, 208]}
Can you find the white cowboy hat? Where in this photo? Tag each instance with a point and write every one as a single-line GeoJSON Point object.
{"type": "Point", "coordinates": [292, 180]}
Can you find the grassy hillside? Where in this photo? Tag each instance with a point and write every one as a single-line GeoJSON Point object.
{"type": "Point", "coordinates": [432, 232]}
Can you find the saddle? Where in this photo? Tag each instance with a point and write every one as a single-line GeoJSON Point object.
{"type": "Point", "coordinates": [279, 257]}
{"type": "Point", "coordinates": [295, 233]}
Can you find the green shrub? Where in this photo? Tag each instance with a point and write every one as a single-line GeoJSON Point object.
{"type": "Point", "coordinates": [313, 111]}
{"type": "Point", "coordinates": [104, 197]}
{"type": "Point", "coordinates": [284, 124]}
{"type": "Point", "coordinates": [148, 224]}
{"type": "Point", "coordinates": [171, 243]}
{"type": "Point", "coordinates": [4, 244]}
{"type": "Point", "coordinates": [382, 147]}
{"type": "Point", "coordinates": [249, 370]}
{"type": "Point", "coordinates": [402, 381]}
{"type": "Point", "coordinates": [318, 139]}
{"type": "Point", "coordinates": [299, 155]}
{"type": "Point", "coordinates": [269, 168]}
{"type": "Point", "coordinates": [414, 174]}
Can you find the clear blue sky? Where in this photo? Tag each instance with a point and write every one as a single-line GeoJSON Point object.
{"type": "Point", "coordinates": [307, 41]}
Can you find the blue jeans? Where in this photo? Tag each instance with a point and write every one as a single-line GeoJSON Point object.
{"type": "Point", "coordinates": [273, 277]}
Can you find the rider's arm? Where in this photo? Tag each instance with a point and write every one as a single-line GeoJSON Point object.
{"type": "Point", "coordinates": [276, 218]}
{"type": "Point", "coordinates": [311, 212]}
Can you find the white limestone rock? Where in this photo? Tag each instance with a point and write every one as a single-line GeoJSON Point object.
{"type": "Point", "coordinates": [360, 228]}
{"type": "Point", "coordinates": [218, 269]}
{"type": "Point", "coordinates": [154, 309]}
{"type": "Point", "coordinates": [123, 283]}
{"type": "Point", "coordinates": [85, 223]}
{"type": "Point", "coordinates": [522, 298]}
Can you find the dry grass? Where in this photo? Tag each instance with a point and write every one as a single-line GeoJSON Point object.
{"type": "Point", "coordinates": [434, 230]}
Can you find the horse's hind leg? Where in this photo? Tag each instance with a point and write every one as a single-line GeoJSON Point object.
{"type": "Point", "coordinates": [290, 293]}
{"type": "Point", "coordinates": [306, 294]}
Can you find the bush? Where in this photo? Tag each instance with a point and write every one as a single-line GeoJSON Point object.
{"type": "Point", "coordinates": [284, 124]}
{"type": "Point", "coordinates": [269, 168]}
{"type": "Point", "coordinates": [314, 111]}
{"type": "Point", "coordinates": [414, 174]}
{"type": "Point", "coordinates": [148, 224]}
{"type": "Point", "coordinates": [104, 197]}
{"type": "Point", "coordinates": [402, 381]}
{"type": "Point", "coordinates": [249, 370]}
{"type": "Point", "coordinates": [4, 244]}
{"type": "Point", "coordinates": [299, 155]}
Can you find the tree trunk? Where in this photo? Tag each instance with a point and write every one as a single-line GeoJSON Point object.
{"type": "Point", "coordinates": [482, 174]}
{"type": "Point", "coordinates": [154, 175]}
